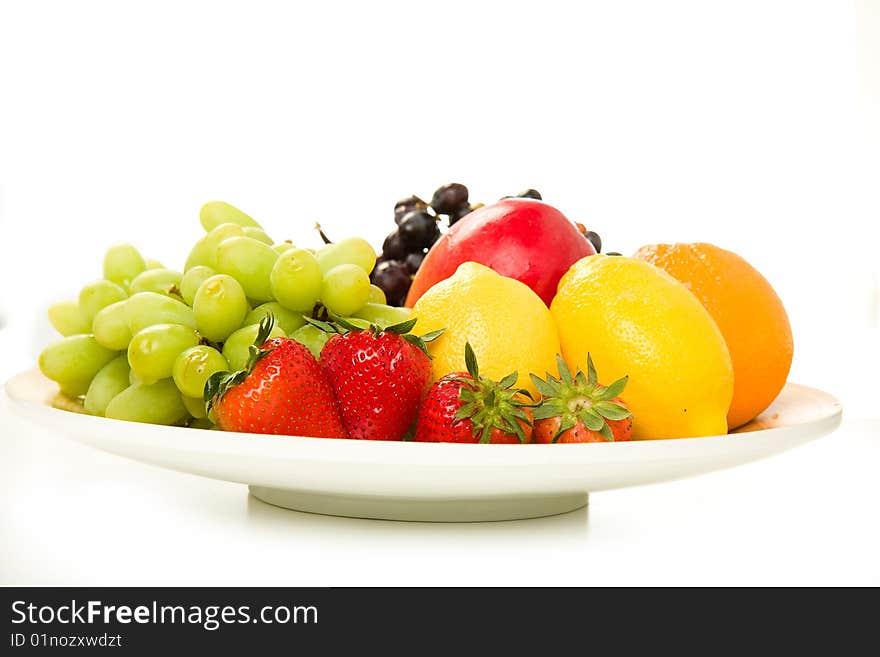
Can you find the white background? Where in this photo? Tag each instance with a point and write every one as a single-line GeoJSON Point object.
{"type": "Point", "coordinates": [753, 125]}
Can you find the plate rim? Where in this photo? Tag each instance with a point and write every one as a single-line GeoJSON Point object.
{"type": "Point", "coordinates": [422, 454]}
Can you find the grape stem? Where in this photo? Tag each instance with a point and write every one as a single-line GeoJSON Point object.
{"type": "Point", "coordinates": [210, 343]}
{"type": "Point", "coordinates": [324, 237]}
{"type": "Point", "coordinates": [320, 312]}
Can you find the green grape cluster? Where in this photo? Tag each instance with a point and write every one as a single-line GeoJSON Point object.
{"type": "Point", "coordinates": [140, 343]}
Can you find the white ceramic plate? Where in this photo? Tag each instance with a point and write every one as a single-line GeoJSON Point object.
{"type": "Point", "coordinates": [420, 481]}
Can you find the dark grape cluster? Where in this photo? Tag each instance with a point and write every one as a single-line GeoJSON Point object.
{"type": "Point", "coordinates": [418, 227]}
{"type": "Point", "coordinates": [592, 236]}
{"type": "Point", "coordinates": [527, 193]}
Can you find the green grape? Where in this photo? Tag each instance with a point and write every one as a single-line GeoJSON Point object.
{"type": "Point", "coordinates": [358, 322]}
{"type": "Point", "coordinates": [281, 247]}
{"type": "Point", "coordinates": [161, 281]}
{"type": "Point", "coordinates": [382, 315]}
{"type": "Point", "coordinates": [205, 250]}
{"type": "Point", "coordinates": [201, 422]}
{"type": "Point", "coordinates": [153, 264]}
{"type": "Point", "coordinates": [192, 280]}
{"type": "Point", "coordinates": [193, 367]}
{"type": "Point", "coordinates": [110, 326]}
{"type": "Point", "coordinates": [122, 263]}
{"type": "Point", "coordinates": [312, 337]}
{"type": "Point", "coordinates": [250, 262]}
{"type": "Point", "coordinates": [377, 295]}
{"type": "Point", "coordinates": [147, 308]}
{"type": "Point", "coordinates": [67, 319]}
{"type": "Point", "coordinates": [215, 213]}
{"type": "Point", "coordinates": [257, 234]}
{"type": "Point", "coordinates": [296, 280]}
{"type": "Point", "coordinates": [217, 236]}
{"type": "Point", "coordinates": [108, 382]}
{"type": "Point", "coordinates": [156, 403]}
{"type": "Point", "coordinates": [132, 377]}
{"type": "Point", "coordinates": [152, 351]}
{"type": "Point", "coordinates": [196, 406]}
{"type": "Point", "coordinates": [348, 251]}
{"type": "Point", "coordinates": [345, 290]}
{"type": "Point", "coordinates": [97, 295]}
{"type": "Point", "coordinates": [236, 349]}
{"type": "Point", "coordinates": [73, 362]}
{"type": "Point", "coordinates": [219, 307]}
{"type": "Point", "coordinates": [198, 256]}
{"type": "Point", "coordinates": [287, 320]}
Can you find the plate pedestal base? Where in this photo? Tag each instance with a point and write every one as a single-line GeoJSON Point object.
{"type": "Point", "coordinates": [426, 510]}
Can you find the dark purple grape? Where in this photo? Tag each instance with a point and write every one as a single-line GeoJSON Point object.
{"type": "Point", "coordinates": [458, 213]}
{"type": "Point", "coordinates": [595, 240]}
{"type": "Point", "coordinates": [449, 197]}
{"type": "Point", "coordinates": [408, 204]}
{"type": "Point", "coordinates": [393, 247]}
{"type": "Point", "coordinates": [530, 193]}
{"type": "Point", "coordinates": [418, 230]}
{"type": "Point", "coordinates": [394, 279]}
{"type": "Point", "coordinates": [413, 262]}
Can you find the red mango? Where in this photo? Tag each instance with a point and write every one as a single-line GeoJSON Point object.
{"type": "Point", "coordinates": [520, 238]}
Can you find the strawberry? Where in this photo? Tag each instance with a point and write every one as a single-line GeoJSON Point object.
{"type": "Point", "coordinates": [577, 409]}
{"type": "Point", "coordinates": [379, 376]}
{"type": "Point", "coordinates": [464, 407]}
{"type": "Point", "coordinates": [282, 390]}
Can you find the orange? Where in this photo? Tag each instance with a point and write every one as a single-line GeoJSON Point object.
{"type": "Point", "coordinates": [749, 313]}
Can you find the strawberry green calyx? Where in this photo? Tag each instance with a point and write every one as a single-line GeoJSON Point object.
{"type": "Point", "coordinates": [492, 404]}
{"type": "Point", "coordinates": [220, 382]}
{"type": "Point", "coordinates": [341, 326]}
{"type": "Point", "coordinates": [580, 398]}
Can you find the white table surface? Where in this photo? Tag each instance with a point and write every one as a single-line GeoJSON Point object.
{"type": "Point", "coordinates": [73, 515]}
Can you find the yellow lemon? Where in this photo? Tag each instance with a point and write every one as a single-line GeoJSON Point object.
{"type": "Point", "coordinates": [634, 319]}
{"type": "Point", "coordinates": [506, 323]}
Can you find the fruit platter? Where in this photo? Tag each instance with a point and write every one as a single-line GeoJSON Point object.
{"type": "Point", "coordinates": [489, 362]}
